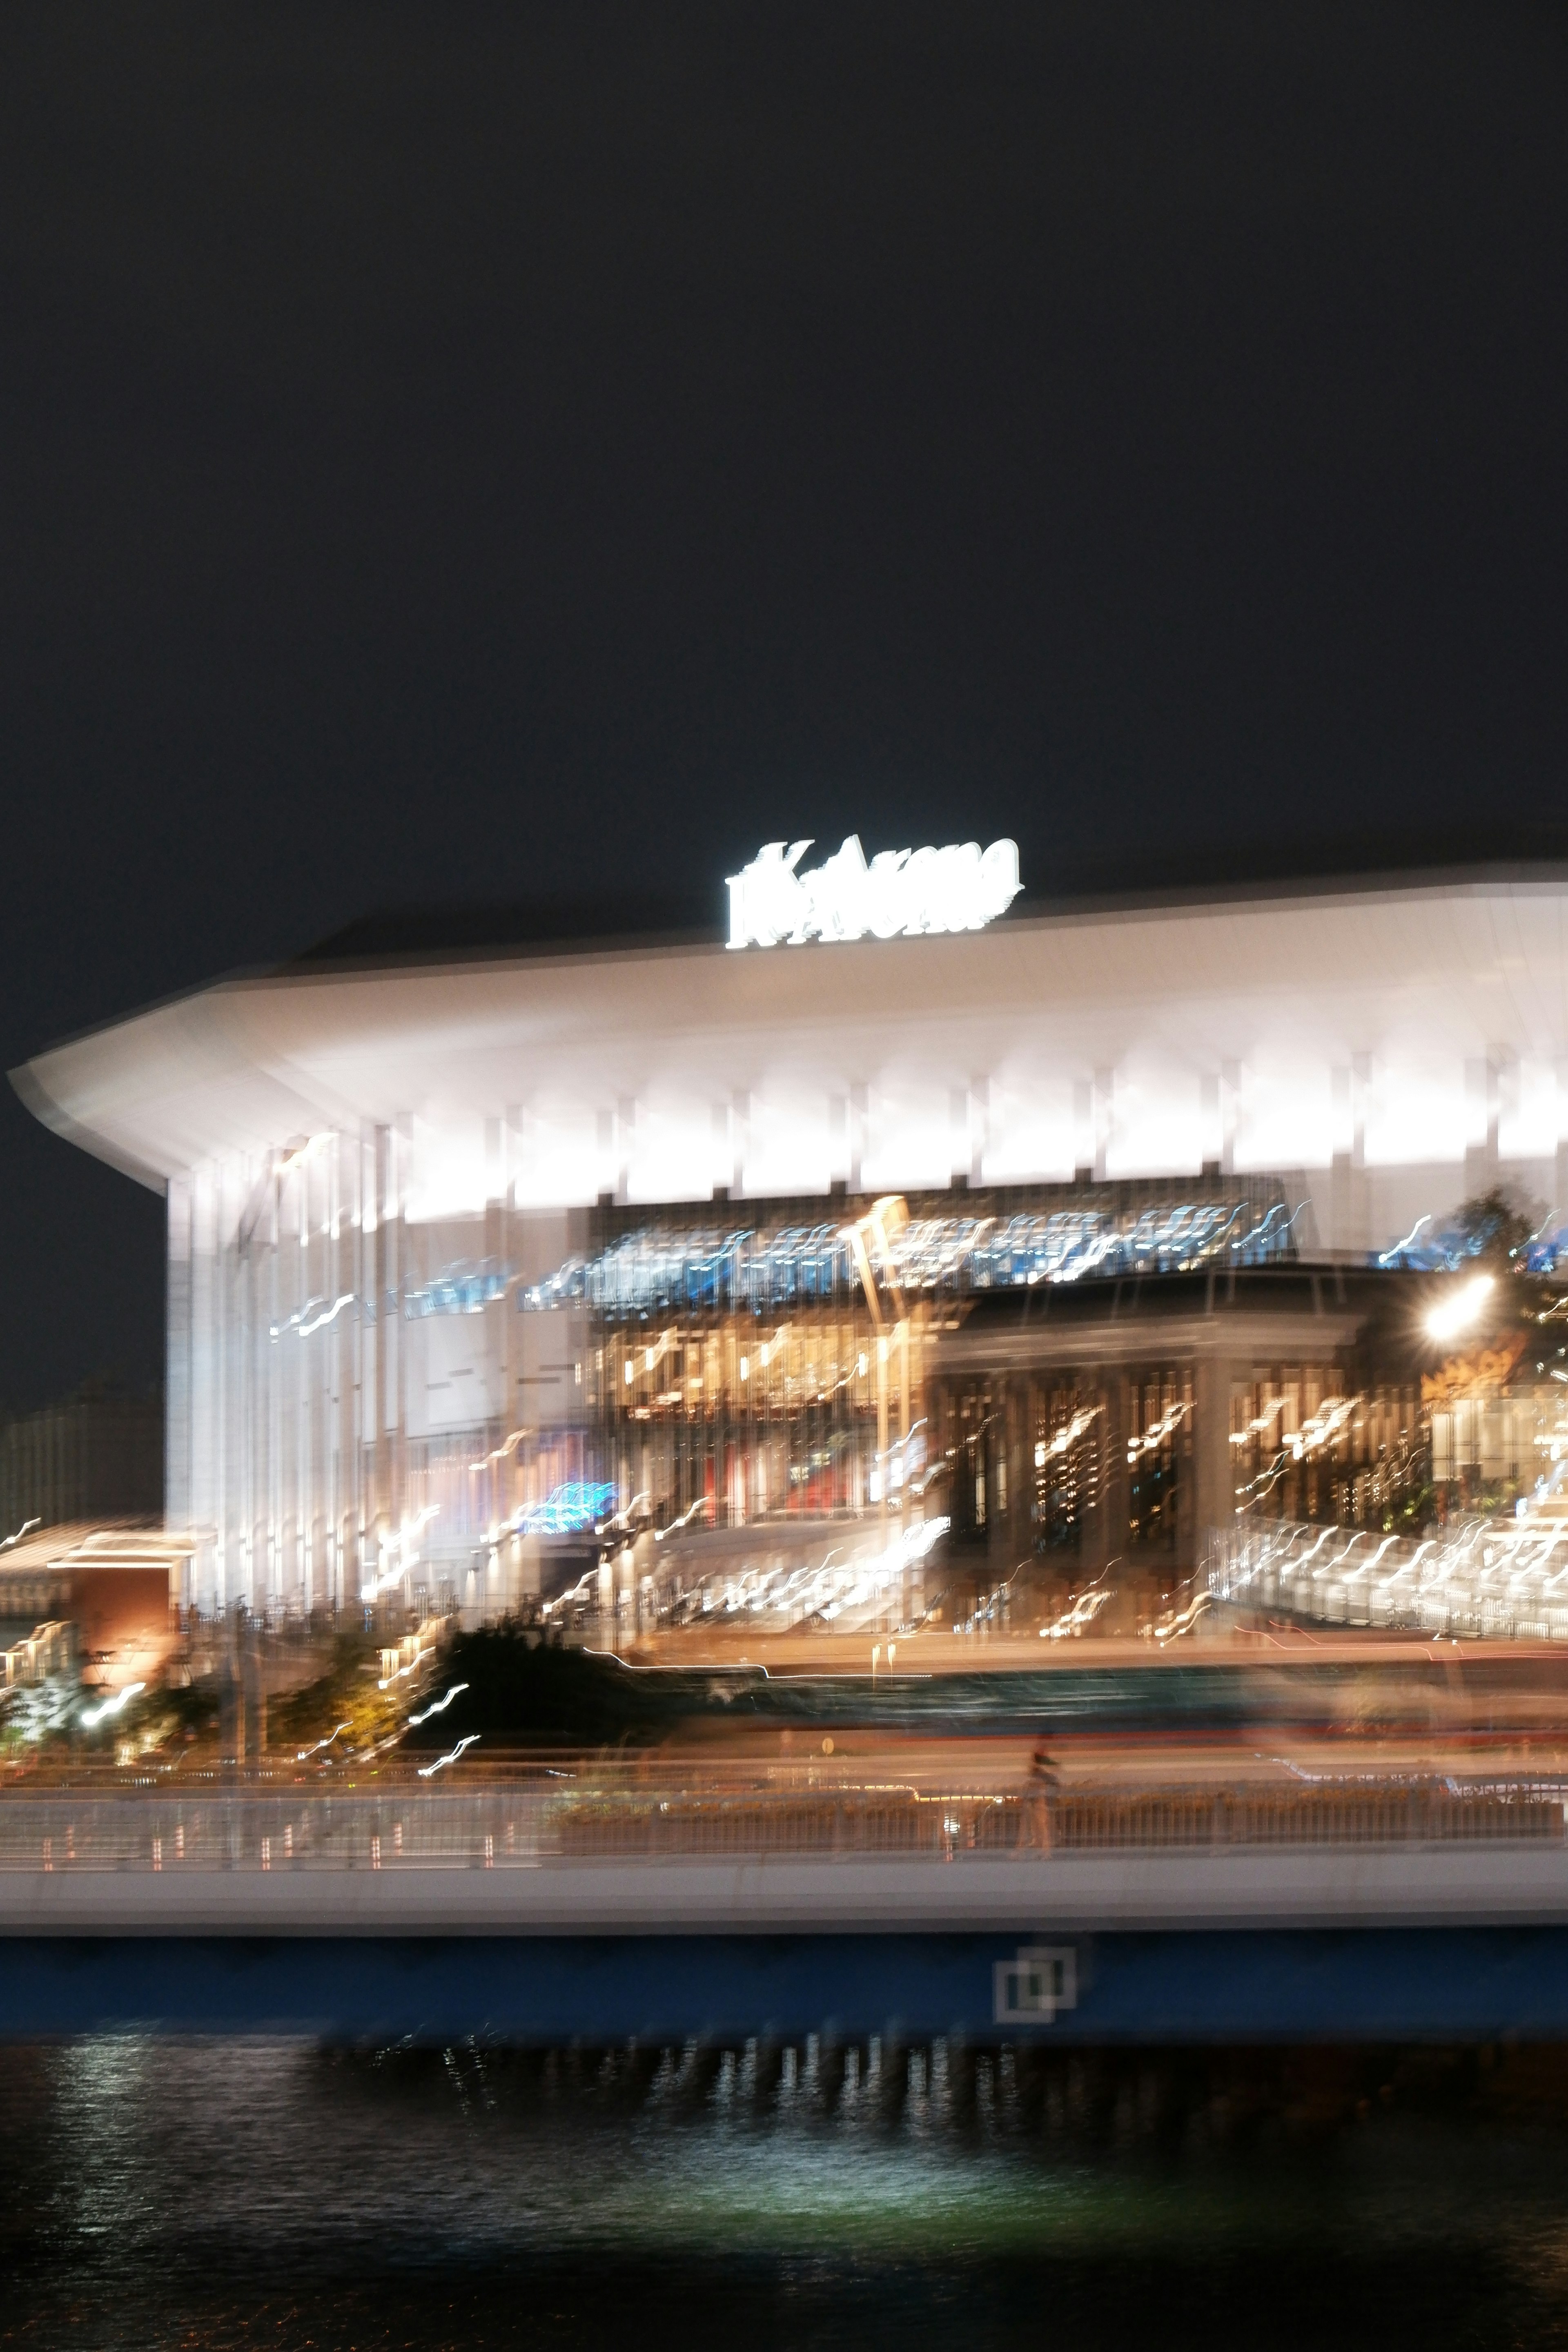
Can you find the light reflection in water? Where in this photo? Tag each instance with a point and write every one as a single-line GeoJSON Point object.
{"type": "Point", "coordinates": [208, 2192]}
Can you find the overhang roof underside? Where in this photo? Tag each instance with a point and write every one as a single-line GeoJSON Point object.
{"type": "Point", "coordinates": [1441, 978]}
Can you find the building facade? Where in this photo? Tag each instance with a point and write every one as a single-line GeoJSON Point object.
{"type": "Point", "coordinates": [95, 1456]}
{"type": "Point", "coordinates": [1068, 1233]}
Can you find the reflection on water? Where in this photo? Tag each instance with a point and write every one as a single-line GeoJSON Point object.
{"type": "Point", "coordinates": [224, 2193]}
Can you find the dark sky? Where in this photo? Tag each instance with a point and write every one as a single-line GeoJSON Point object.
{"type": "Point", "coordinates": [453, 453]}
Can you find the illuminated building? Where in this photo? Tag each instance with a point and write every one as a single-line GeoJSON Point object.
{"type": "Point", "coordinates": [469, 1250]}
{"type": "Point", "coordinates": [95, 1455]}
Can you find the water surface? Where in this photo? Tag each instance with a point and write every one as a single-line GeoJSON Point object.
{"type": "Point", "coordinates": [257, 2193]}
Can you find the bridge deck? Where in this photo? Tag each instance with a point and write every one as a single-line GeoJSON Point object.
{"type": "Point", "coordinates": [1169, 1915]}
{"type": "Point", "coordinates": [1368, 1886]}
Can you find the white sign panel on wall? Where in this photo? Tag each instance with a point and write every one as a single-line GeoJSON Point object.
{"type": "Point", "coordinates": [902, 893]}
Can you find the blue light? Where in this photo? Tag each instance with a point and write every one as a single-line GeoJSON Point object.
{"type": "Point", "coordinates": [568, 1509]}
{"type": "Point", "coordinates": [460, 1288]}
{"type": "Point", "coordinates": [1425, 1251]}
{"type": "Point", "coordinates": [659, 1271]}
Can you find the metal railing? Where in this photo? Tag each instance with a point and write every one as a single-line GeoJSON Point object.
{"type": "Point", "coordinates": [1343, 1816]}
{"type": "Point", "coordinates": [599, 1820]}
{"type": "Point", "coordinates": [840, 1824]}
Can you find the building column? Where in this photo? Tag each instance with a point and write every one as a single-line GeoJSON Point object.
{"type": "Point", "coordinates": [178, 1511]}
{"type": "Point", "coordinates": [1019, 1473]}
{"type": "Point", "coordinates": [1189, 1546]}
{"type": "Point", "coordinates": [1108, 1534]}
{"type": "Point", "coordinates": [1214, 1473]}
{"type": "Point", "coordinates": [1007, 1481]}
{"type": "Point", "coordinates": [1483, 1090]}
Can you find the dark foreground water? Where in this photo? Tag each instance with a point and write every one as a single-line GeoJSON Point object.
{"type": "Point", "coordinates": [259, 2193]}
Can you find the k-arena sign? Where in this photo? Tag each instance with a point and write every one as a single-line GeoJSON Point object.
{"type": "Point", "coordinates": [900, 893]}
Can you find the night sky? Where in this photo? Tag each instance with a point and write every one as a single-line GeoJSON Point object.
{"type": "Point", "coordinates": [450, 454]}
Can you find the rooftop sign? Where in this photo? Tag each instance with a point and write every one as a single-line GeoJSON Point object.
{"type": "Point", "coordinates": [900, 893]}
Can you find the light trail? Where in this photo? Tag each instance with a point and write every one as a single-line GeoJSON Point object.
{"type": "Point", "coordinates": [428, 1771]}
{"type": "Point", "coordinates": [91, 1717]}
{"type": "Point", "coordinates": [316, 1751]}
{"type": "Point", "coordinates": [439, 1708]}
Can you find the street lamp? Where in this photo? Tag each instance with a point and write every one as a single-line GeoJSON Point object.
{"type": "Point", "coordinates": [1455, 1314]}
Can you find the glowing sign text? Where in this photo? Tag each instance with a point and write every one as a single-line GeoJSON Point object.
{"type": "Point", "coordinates": [901, 893]}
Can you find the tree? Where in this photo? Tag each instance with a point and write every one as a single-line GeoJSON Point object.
{"type": "Point", "coordinates": [1496, 1228]}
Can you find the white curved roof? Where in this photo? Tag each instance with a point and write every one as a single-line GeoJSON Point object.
{"type": "Point", "coordinates": [1395, 1024]}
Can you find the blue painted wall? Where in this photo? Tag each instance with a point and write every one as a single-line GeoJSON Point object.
{"type": "Point", "coordinates": [1469, 1984]}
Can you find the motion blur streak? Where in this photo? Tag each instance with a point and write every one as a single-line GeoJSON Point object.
{"type": "Point", "coordinates": [321, 1744]}
{"type": "Point", "coordinates": [426, 1771]}
{"type": "Point", "coordinates": [91, 1717]}
{"type": "Point", "coordinates": [439, 1708]}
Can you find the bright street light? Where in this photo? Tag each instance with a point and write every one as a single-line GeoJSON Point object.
{"type": "Point", "coordinates": [1457, 1314]}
